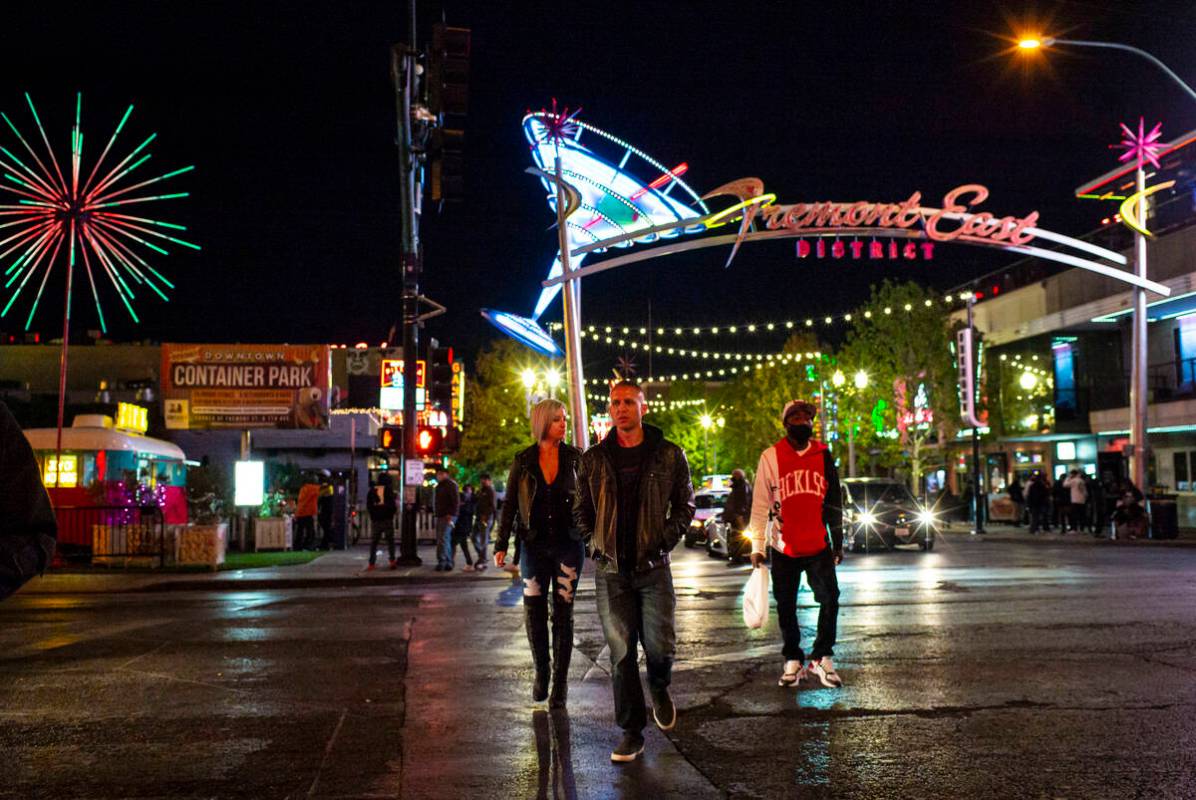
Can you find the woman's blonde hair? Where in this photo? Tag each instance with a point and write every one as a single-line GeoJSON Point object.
{"type": "Point", "coordinates": [542, 414]}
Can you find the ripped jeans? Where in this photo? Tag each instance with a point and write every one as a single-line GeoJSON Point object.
{"type": "Point", "coordinates": [553, 567]}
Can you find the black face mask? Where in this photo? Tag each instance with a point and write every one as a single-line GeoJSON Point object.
{"type": "Point", "coordinates": [800, 433]}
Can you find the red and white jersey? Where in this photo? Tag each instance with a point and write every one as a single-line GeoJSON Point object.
{"type": "Point", "coordinates": [788, 498]}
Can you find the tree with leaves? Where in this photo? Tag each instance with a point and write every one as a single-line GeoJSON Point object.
{"type": "Point", "coordinates": [911, 403]}
{"type": "Point", "coordinates": [496, 407]}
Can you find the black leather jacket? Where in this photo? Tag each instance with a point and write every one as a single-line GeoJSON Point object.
{"type": "Point", "coordinates": [521, 489]}
{"type": "Point", "coordinates": [666, 502]}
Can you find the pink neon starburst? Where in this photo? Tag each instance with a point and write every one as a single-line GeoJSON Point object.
{"type": "Point", "coordinates": [558, 123]}
{"type": "Point", "coordinates": [1140, 146]}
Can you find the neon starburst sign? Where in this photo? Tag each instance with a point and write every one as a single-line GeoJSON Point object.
{"type": "Point", "coordinates": [1140, 146]}
{"type": "Point", "coordinates": [72, 215]}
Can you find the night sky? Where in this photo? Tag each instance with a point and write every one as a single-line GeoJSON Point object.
{"type": "Point", "coordinates": [288, 112]}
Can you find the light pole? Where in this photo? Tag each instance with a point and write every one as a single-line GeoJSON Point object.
{"type": "Point", "coordinates": [1138, 382]}
{"type": "Point", "coordinates": [861, 383]}
{"type": "Point", "coordinates": [707, 422]}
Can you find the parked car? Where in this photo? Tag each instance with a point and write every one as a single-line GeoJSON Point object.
{"type": "Point", "coordinates": [708, 504]}
{"type": "Point", "coordinates": [718, 532]}
{"type": "Point", "coordinates": [881, 512]}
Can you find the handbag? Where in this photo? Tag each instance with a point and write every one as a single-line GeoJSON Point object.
{"type": "Point", "coordinates": [755, 599]}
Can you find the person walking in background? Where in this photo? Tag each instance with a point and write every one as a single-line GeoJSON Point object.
{"type": "Point", "coordinates": [324, 512]}
{"type": "Point", "coordinates": [1077, 496]}
{"type": "Point", "coordinates": [483, 520]}
{"type": "Point", "coordinates": [736, 513]}
{"type": "Point", "coordinates": [1061, 499]}
{"type": "Point", "coordinates": [797, 500]}
{"type": "Point", "coordinates": [305, 516]}
{"type": "Point", "coordinates": [1018, 498]}
{"type": "Point", "coordinates": [541, 489]}
{"type": "Point", "coordinates": [446, 504]}
{"type": "Point", "coordinates": [634, 502]}
{"type": "Point", "coordinates": [28, 528]}
{"type": "Point", "coordinates": [382, 505]}
{"type": "Point", "coordinates": [463, 527]}
{"type": "Point", "coordinates": [1038, 498]}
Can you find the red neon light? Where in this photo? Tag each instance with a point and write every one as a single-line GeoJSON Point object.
{"type": "Point", "coordinates": [676, 171]}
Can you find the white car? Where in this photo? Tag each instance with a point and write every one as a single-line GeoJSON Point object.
{"type": "Point", "coordinates": [708, 503]}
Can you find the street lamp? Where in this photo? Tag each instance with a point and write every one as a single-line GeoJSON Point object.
{"type": "Point", "coordinates": [860, 380]}
{"type": "Point", "coordinates": [1028, 381]}
{"type": "Point", "coordinates": [553, 377]}
{"type": "Point", "coordinates": [707, 422]}
{"type": "Point", "coordinates": [528, 376]}
{"type": "Point", "coordinates": [1138, 382]}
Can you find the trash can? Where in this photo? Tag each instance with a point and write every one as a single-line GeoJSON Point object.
{"type": "Point", "coordinates": [1164, 516]}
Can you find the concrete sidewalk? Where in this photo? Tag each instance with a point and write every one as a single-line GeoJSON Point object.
{"type": "Point", "coordinates": [337, 568]}
{"type": "Point", "coordinates": [1000, 532]}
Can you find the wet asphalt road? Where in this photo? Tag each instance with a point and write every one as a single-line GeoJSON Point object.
{"type": "Point", "coordinates": [992, 670]}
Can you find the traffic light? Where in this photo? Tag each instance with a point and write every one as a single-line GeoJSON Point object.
{"type": "Point", "coordinates": [440, 376]}
{"type": "Point", "coordinates": [390, 437]}
{"type": "Point", "coordinates": [428, 441]}
{"type": "Point", "coordinates": [448, 100]}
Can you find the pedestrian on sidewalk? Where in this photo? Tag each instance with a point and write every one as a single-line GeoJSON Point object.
{"type": "Point", "coordinates": [324, 514]}
{"type": "Point", "coordinates": [28, 528]}
{"type": "Point", "coordinates": [1038, 498]}
{"type": "Point", "coordinates": [736, 513]}
{"type": "Point", "coordinates": [796, 501]}
{"type": "Point", "coordinates": [305, 516]}
{"type": "Point", "coordinates": [483, 521]}
{"type": "Point", "coordinates": [541, 489]}
{"type": "Point", "coordinates": [382, 506]}
{"type": "Point", "coordinates": [1018, 498]}
{"type": "Point", "coordinates": [1061, 497]}
{"type": "Point", "coordinates": [446, 504]}
{"type": "Point", "coordinates": [463, 527]}
{"type": "Point", "coordinates": [634, 502]}
{"type": "Point", "coordinates": [1077, 490]}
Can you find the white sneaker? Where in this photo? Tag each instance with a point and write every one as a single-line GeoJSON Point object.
{"type": "Point", "coordinates": [794, 672]}
{"type": "Point", "coordinates": [824, 670]}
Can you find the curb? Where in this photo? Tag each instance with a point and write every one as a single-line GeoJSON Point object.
{"type": "Point", "coordinates": [1081, 539]}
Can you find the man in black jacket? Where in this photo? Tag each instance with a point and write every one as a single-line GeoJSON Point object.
{"type": "Point", "coordinates": [634, 502]}
{"type": "Point", "coordinates": [447, 504]}
{"type": "Point", "coordinates": [28, 528]}
{"type": "Point", "coordinates": [382, 506]}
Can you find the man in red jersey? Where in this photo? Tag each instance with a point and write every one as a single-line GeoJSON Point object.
{"type": "Point", "coordinates": [795, 501]}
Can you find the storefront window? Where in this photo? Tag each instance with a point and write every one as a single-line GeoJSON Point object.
{"type": "Point", "coordinates": [1065, 379]}
{"type": "Point", "coordinates": [1185, 350]}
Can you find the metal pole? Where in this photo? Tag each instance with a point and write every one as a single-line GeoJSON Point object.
{"type": "Point", "coordinates": [571, 298]}
{"type": "Point", "coordinates": [1127, 48]}
{"type": "Point", "coordinates": [977, 484]}
{"type": "Point", "coordinates": [62, 361]}
{"type": "Point", "coordinates": [1138, 356]}
{"type": "Point", "coordinates": [403, 66]}
{"type": "Point", "coordinates": [850, 450]}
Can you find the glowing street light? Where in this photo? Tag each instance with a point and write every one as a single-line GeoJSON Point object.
{"type": "Point", "coordinates": [528, 376]}
{"type": "Point", "coordinates": [553, 377]}
{"type": "Point", "coordinates": [1138, 351]}
{"type": "Point", "coordinates": [1028, 380]}
{"type": "Point", "coordinates": [706, 421]}
{"type": "Point", "coordinates": [861, 380]}
{"type": "Point", "coordinates": [838, 379]}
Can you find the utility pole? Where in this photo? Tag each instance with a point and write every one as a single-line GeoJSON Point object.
{"type": "Point", "coordinates": [403, 68]}
{"type": "Point", "coordinates": [977, 482]}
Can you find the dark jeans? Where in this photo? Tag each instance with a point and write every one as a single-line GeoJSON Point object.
{"type": "Point", "coordinates": [637, 608]}
{"type": "Point", "coordinates": [1078, 516]}
{"type": "Point", "coordinates": [1038, 519]}
{"type": "Point", "coordinates": [386, 527]}
{"type": "Point", "coordinates": [552, 565]}
{"type": "Point", "coordinates": [305, 533]}
{"type": "Point", "coordinates": [786, 579]}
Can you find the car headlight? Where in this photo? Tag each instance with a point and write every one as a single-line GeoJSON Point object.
{"type": "Point", "coordinates": [746, 535]}
{"type": "Point", "coordinates": [927, 517]}
{"type": "Point", "coordinates": [867, 517]}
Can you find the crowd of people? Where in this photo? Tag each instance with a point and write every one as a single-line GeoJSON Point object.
{"type": "Point", "coordinates": [1078, 503]}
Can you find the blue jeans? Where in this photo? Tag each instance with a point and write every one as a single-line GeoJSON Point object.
{"type": "Point", "coordinates": [481, 537]}
{"type": "Point", "coordinates": [444, 542]}
{"type": "Point", "coordinates": [637, 608]}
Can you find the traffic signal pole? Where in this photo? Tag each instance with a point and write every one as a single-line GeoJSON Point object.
{"type": "Point", "coordinates": [403, 73]}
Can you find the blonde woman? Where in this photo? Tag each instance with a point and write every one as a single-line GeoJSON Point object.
{"type": "Point", "coordinates": [539, 508]}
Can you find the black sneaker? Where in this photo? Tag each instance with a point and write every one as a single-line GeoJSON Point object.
{"type": "Point", "coordinates": [631, 748]}
{"type": "Point", "coordinates": [664, 712]}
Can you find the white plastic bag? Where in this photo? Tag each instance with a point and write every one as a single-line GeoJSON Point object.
{"type": "Point", "coordinates": [755, 598]}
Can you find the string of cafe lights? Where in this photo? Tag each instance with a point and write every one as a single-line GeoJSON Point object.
{"type": "Point", "coordinates": [693, 353]}
{"type": "Point", "coordinates": [657, 405]}
{"type": "Point", "coordinates": [698, 375]}
{"type": "Point", "coordinates": [754, 327]}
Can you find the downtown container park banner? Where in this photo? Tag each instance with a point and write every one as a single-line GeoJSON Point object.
{"type": "Point", "coordinates": [234, 386]}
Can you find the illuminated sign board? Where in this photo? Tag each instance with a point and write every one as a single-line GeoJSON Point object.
{"type": "Point", "coordinates": [458, 404]}
{"type": "Point", "coordinates": [69, 477]}
{"type": "Point", "coordinates": [391, 396]}
{"type": "Point", "coordinates": [250, 483]}
{"type": "Point", "coordinates": [130, 417]}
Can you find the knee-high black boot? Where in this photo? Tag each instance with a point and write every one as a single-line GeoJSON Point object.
{"type": "Point", "coordinates": [535, 618]}
{"type": "Point", "coordinates": [562, 651]}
